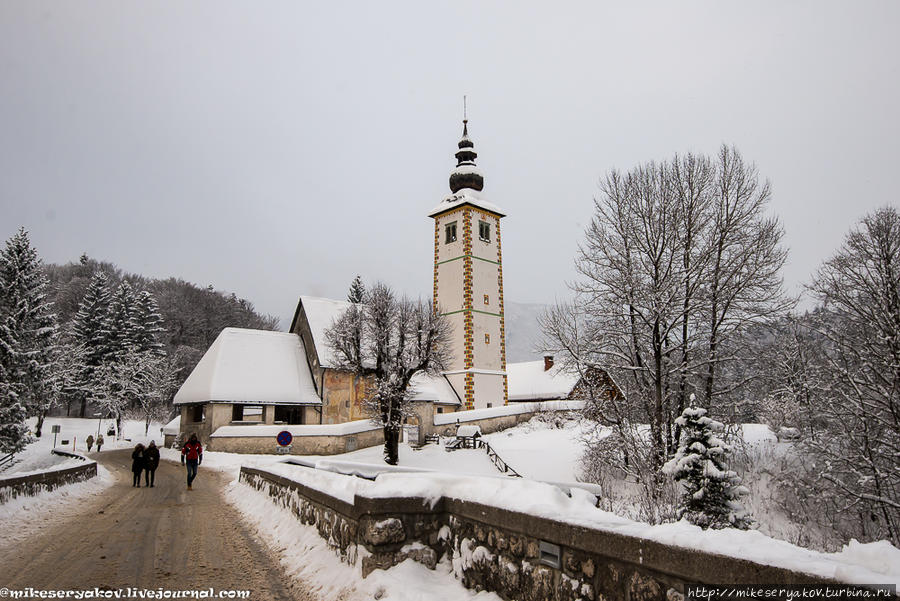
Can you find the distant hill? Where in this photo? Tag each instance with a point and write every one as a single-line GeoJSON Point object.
{"type": "Point", "coordinates": [523, 333]}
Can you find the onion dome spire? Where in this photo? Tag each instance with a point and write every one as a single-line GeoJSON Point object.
{"type": "Point", "coordinates": [466, 174]}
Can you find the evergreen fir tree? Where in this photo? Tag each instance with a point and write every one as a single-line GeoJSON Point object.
{"type": "Point", "coordinates": [712, 492]}
{"type": "Point", "coordinates": [147, 325]}
{"type": "Point", "coordinates": [13, 431]}
{"type": "Point", "coordinates": [31, 323]}
{"type": "Point", "coordinates": [120, 323]}
{"type": "Point", "coordinates": [87, 326]}
{"type": "Point", "coordinates": [357, 291]}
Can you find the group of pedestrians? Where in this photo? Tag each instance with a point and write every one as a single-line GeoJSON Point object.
{"type": "Point", "coordinates": [90, 441]}
{"type": "Point", "coordinates": [146, 459]}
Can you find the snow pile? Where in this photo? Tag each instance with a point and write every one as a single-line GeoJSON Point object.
{"type": "Point", "coordinates": [442, 419]}
{"type": "Point", "coordinates": [306, 556]}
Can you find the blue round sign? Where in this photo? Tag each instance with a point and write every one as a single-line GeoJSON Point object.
{"type": "Point", "coordinates": [284, 438]}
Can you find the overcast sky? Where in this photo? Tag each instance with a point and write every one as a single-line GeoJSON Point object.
{"type": "Point", "coordinates": [279, 148]}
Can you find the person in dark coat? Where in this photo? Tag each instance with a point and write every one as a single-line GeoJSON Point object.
{"type": "Point", "coordinates": [137, 464]}
{"type": "Point", "coordinates": [192, 456]}
{"type": "Point", "coordinates": [90, 442]}
{"type": "Point", "coordinates": [151, 457]}
{"type": "Point", "coordinates": [99, 442]}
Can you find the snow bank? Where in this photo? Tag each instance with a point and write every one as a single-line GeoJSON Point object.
{"type": "Point", "coordinates": [442, 419]}
{"type": "Point", "coordinates": [354, 427]}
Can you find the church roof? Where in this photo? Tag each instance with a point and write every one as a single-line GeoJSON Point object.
{"type": "Point", "coordinates": [321, 313]}
{"type": "Point", "coordinates": [528, 381]}
{"type": "Point", "coordinates": [433, 388]}
{"type": "Point", "coordinates": [251, 366]}
{"type": "Point", "coordinates": [463, 197]}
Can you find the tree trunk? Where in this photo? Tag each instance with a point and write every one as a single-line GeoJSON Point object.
{"type": "Point", "coordinates": [40, 423]}
{"type": "Point", "coordinates": [391, 444]}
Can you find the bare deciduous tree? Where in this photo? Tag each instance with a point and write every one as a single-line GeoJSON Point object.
{"type": "Point", "coordinates": [390, 339]}
{"type": "Point", "coordinates": [678, 257]}
{"type": "Point", "coordinates": [860, 456]}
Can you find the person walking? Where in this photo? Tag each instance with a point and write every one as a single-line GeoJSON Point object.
{"type": "Point", "coordinates": [192, 456]}
{"type": "Point", "coordinates": [99, 442]}
{"type": "Point", "coordinates": [137, 464]}
{"type": "Point", "coordinates": [90, 442]}
{"type": "Point", "coordinates": [151, 462]}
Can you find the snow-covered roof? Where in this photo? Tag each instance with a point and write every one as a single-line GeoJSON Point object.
{"type": "Point", "coordinates": [173, 427]}
{"type": "Point", "coordinates": [527, 381]}
{"type": "Point", "coordinates": [321, 313]}
{"type": "Point", "coordinates": [465, 196]}
{"type": "Point", "coordinates": [433, 388]}
{"type": "Point", "coordinates": [251, 366]}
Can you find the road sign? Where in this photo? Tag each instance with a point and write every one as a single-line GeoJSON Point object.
{"type": "Point", "coordinates": [54, 429]}
{"type": "Point", "coordinates": [284, 438]}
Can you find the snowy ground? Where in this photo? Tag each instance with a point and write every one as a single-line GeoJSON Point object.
{"type": "Point", "coordinates": [37, 455]}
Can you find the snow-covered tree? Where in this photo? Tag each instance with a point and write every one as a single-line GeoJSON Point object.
{"type": "Point", "coordinates": [119, 324]}
{"type": "Point", "coordinates": [155, 379]}
{"type": "Point", "coordinates": [87, 333]}
{"type": "Point", "coordinates": [147, 325]}
{"type": "Point", "coordinates": [712, 492]}
{"type": "Point", "coordinates": [388, 339]}
{"type": "Point", "coordinates": [32, 324]}
{"type": "Point", "coordinates": [859, 457]}
{"type": "Point", "coordinates": [357, 291]}
{"type": "Point", "coordinates": [13, 431]}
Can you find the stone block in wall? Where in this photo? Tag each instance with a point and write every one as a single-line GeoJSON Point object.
{"type": "Point", "coordinates": [383, 532]}
{"type": "Point", "coordinates": [644, 588]}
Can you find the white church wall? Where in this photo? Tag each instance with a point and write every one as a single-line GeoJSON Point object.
{"type": "Point", "coordinates": [488, 390]}
{"type": "Point", "coordinates": [486, 351]}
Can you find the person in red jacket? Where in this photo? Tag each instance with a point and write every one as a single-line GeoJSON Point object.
{"type": "Point", "coordinates": [192, 456]}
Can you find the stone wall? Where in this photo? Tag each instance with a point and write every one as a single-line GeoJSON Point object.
{"type": "Point", "coordinates": [301, 445]}
{"type": "Point", "coordinates": [31, 485]}
{"type": "Point", "coordinates": [516, 555]}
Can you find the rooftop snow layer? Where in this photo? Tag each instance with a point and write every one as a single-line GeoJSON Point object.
{"type": "Point", "coordinates": [528, 381]}
{"type": "Point", "coordinates": [433, 388]}
{"type": "Point", "coordinates": [321, 313]}
{"type": "Point", "coordinates": [251, 366]}
{"type": "Point", "coordinates": [466, 196]}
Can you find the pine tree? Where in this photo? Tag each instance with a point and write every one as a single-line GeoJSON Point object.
{"type": "Point", "coordinates": [88, 333]}
{"type": "Point", "coordinates": [29, 317]}
{"type": "Point", "coordinates": [147, 325]}
{"type": "Point", "coordinates": [357, 291]}
{"type": "Point", "coordinates": [119, 324]}
{"type": "Point", "coordinates": [13, 431]}
{"type": "Point", "coordinates": [712, 492]}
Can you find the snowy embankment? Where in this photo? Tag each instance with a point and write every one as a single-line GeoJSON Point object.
{"type": "Point", "coordinates": [306, 556]}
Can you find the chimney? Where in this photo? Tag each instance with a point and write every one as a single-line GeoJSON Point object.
{"type": "Point", "coordinates": [548, 362]}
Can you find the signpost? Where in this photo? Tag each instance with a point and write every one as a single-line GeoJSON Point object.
{"type": "Point", "coordinates": [55, 430]}
{"type": "Point", "coordinates": [284, 440]}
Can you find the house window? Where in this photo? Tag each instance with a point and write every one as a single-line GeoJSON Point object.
{"type": "Point", "coordinates": [237, 413]}
{"type": "Point", "coordinates": [287, 414]}
{"type": "Point", "coordinates": [487, 299]}
{"type": "Point", "coordinates": [484, 231]}
{"type": "Point", "coordinates": [487, 338]}
{"type": "Point", "coordinates": [252, 413]}
{"type": "Point", "coordinates": [440, 409]}
{"type": "Point", "coordinates": [450, 231]}
{"type": "Point", "coordinates": [198, 413]}
{"type": "Point", "coordinates": [489, 405]}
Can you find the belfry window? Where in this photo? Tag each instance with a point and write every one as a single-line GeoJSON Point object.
{"type": "Point", "coordinates": [484, 231]}
{"type": "Point", "coordinates": [450, 231]}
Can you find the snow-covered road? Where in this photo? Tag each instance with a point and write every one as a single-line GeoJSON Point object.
{"type": "Point", "coordinates": [161, 537]}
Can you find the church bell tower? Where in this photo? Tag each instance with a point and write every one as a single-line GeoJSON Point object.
{"type": "Point", "coordinates": [468, 283]}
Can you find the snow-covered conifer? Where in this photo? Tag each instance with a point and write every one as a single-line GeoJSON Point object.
{"type": "Point", "coordinates": [13, 431]}
{"type": "Point", "coordinates": [87, 326]}
{"type": "Point", "coordinates": [147, 325]}
{"type": "Point", "coordinates": [119, 323]}
{"type": "Point", "coordinates": [712, 492]}
{"type": "Point", "coordinates": [357, 291]}
{"type": "Point", "coordinates": [29, 319]}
